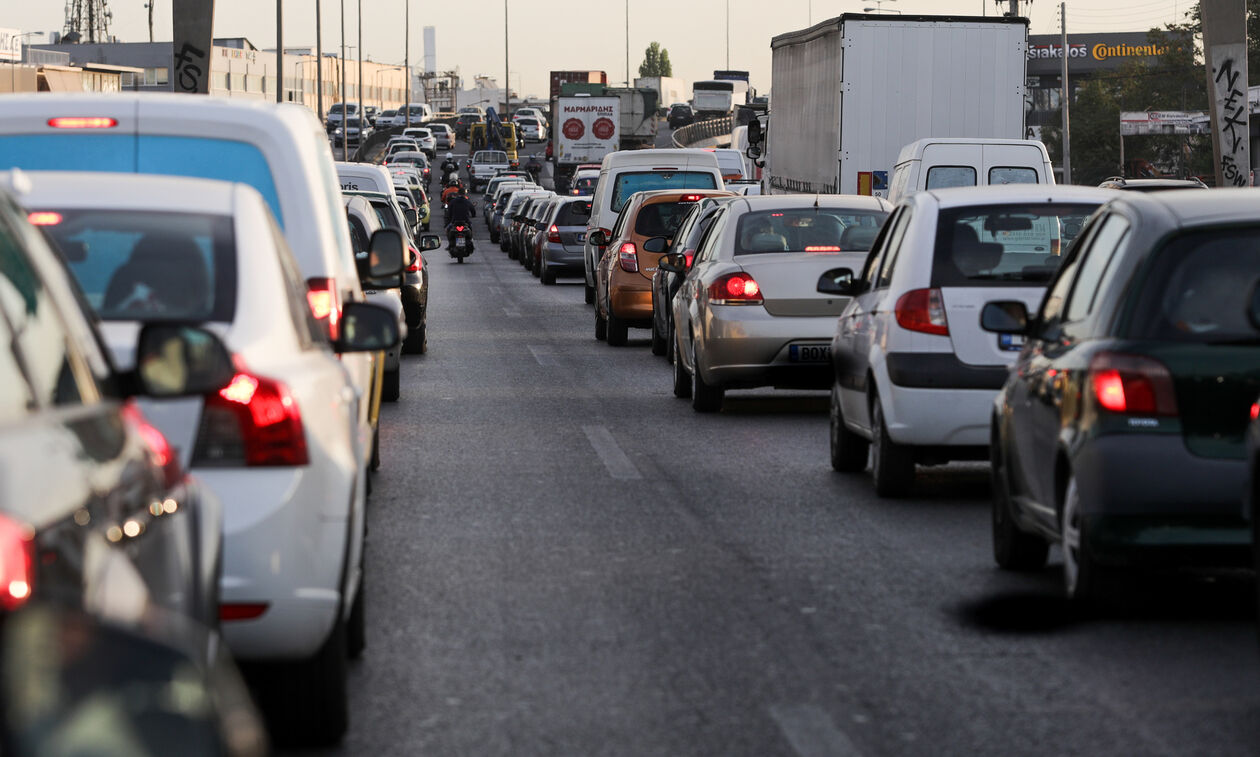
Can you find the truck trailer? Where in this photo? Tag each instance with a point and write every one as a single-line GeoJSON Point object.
{"type": "Point", "coordinates": [850, 92]}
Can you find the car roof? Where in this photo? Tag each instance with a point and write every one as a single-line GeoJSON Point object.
{"type": "Point", "coordinates": [1118, 182]}
{"type": "Point", "coordinates": [653, 196]}
{"type": "Point", "coordinates": [1220, 206]}
{"type": "Point", "coordinates": [684, 157]}
{"type": "Point", "coordinates": [1012, 193]}
{"type": "Point", "coordinates": [84, 189]}
{"type": "Point", "coordinates": [851, 202]}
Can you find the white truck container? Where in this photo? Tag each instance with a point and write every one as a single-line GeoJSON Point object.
{"type": "Point", "coordinates": [670, 89]}
{"type": "Point", "coordinates": [585, 128]}
{"type": "Point", "coordinates": [850, 92]}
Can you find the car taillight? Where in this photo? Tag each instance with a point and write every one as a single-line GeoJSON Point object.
{"type": "Point", "coordinates": [690, 255]}
{"type": "Point", "coordinates": [735, 289]}
{"type": "Point", "coordinates": [1255, 410]}
{"type": "Point", "coordinates": [242, 610]}
{"type": "Point", "coordinates": [459, 228]}
{"type": "Point", "coordinates": [691, 198]}
{"type": "Point", "coordinates": [253, 421]}
{"type": "Point", "coordinates": [1132, 384]}
{"type": "Point", "coordinates": [43, 218]}
{"type": "Point", "coordinates": [321, 295]}
{"type": "Point", "coordinates": [922, 310]}
{"type": "Point", "coordinates": [553, 234]}
{"type": "Point", "coordinates": [628, 257]}
{"type": "Point", "coordinates": [418, 263]}
{"type": "Point", "coordinates": [82, 122]}
{"type": "Point", "coordinates": [160, 450]}
{"type": "Point", "coordinates": [822, 248]}
{"type": "Point", "coordinates": [17, 563]}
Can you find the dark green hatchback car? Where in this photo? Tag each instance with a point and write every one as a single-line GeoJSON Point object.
{"type": "Point", "coordinates": [1120, 431]}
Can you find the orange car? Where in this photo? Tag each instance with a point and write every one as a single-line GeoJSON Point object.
{"type": "Point", "coordinates": [623, 279]}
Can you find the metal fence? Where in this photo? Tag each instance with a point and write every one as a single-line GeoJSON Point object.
{"type": "Point", "coordinates": [702, 130]}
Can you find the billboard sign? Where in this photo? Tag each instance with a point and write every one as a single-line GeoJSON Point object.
{"type": "Point", "coordinates": [11, 45]}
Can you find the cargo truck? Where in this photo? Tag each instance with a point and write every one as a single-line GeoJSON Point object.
{"type": "Point", "coordinates": [560, 78]}
{"type": "Point", "coordinates": [669, 90]}
{"type": "Point", "coordinates": [850, 92]}
{"type": "Point", "coordinates": [583, 130]}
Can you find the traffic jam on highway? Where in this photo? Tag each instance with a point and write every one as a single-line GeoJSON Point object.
{"type": "Point", "coordinates": [228, 434]}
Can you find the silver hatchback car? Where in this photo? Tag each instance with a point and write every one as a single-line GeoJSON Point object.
{"type": "Point", "coordinates": [565, 231]}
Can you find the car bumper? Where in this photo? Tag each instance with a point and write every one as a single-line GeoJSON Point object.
{"type": "Point", "coordinates": [1181, 509]}
{"type": "Point", "coordinates": [632, 304]}
{"type": "Point", "coordinates": [563, 258]}
{"type": "Point", "coordinates": [744, 346]}
{"type": "Point", "coordinates": [936, 417]}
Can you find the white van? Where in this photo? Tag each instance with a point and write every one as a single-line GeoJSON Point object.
{"type": "Point", "coordinates": [364, 177]}
{"type": "Point", "coordinates": [625, 172]}
{"type": "Point", "coordinates": [942, 163]}
{"type": "Point", "coordinates": [421, 113]}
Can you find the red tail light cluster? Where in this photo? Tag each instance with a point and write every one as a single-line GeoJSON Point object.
{"type": "Point", "coordinates": [321, 295]}
{"type": "Point", "coordinates": [690, 255]}
{"type": "Point", "coordinates": [253, 421]}
{"type": "Point", "coordinates": [735, 289]}
{"type": "Point", "coordinates": [628, 257]}
{"type": "Point", "coordinates": [417, 261]}
{"type": "Point", "coordinates": [553, 234]}
{"type": "Point", "coordinates": [242, 610]}
{"type": "Point", "coordinates": [17, 563]}
{"type": "Point", "coordinates": [459, 228]}
{"type": "Point", "coordinates": [82, 122]}
{"type": "Point", "coordinates": [160, 450]}
{"type": "Point", "coordinates": [922, 310]}
{"type": "Point", "coordinates": [823, 248]}
{"type": "Point", "coordinates": [43, 218]}
{"type": "Point", "coordinates": [1132, 385]}
{"type": "Point", "coordinates": [691, 198]}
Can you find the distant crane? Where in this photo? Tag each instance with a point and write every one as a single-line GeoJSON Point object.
{"type": "Point", "coordinates": [87, 21]}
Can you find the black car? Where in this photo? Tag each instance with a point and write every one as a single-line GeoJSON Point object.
{"type": "Point", "coordinates": [665, 284]}
{"type": "Point", "coordinates": [1120, 430]}
{"type": "Point", "coordinates": [680, 115]}
{"type": "Point", "coordinates": [95, 510]}
{"type": "Point", "coordinates": [464, 121]}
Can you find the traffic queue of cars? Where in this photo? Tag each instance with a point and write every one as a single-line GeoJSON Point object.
{"type": "Point", "coordinates": [1100, 348]}
{"type": "Point", "coordinates": [189, 331]}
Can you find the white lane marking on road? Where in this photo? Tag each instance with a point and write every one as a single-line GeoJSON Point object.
{"type": "Point", "coordinates": [811, 732]}
{"type": "Point", "coordinates": [496, 292]}
{"type": "Point", "coordinates": [618, 465]}
{"type": "Point", "coordinates": [542, 355]}
{"type": "Point", "coordinates": [512, 312]}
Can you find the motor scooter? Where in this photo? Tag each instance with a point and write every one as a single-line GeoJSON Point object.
{"type": "Point", "coordinates": [461, 245]}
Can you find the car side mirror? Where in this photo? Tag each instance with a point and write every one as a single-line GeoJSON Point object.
{"type": "Point", "coordinates": [597, 238]}
{"type": "Point", "coordinates": [412, 216]}
{"type": "Point", "coordinates": [386, 254]}
{"type": "Point", "coordinates": [755, 134]}
{"type": "Point", "coordinates": [1004, 317]}
{"type": "Point", "coordinates": [366, 328]}
{"type": "Point", "coordinates": [430, 242]}
{"type": "Point", "coordinates": [675, 262]}
{"type": "Point", "coordinates": [656, 244]}
{"type": "Point", "coordinates": [1253, 309]}
{"type": "Point", "coordinates": [177, 360]}
{"type": "Point", "coordinates": [753, 152]}
{"type": "Point", "coordinates": [839, 282]}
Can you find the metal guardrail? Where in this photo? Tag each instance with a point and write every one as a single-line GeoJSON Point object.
{"type": "Point", "coordinates": [702, 130]}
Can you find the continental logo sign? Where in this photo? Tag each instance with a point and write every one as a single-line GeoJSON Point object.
{"type": "Point", "coordinates": [1099, 51]}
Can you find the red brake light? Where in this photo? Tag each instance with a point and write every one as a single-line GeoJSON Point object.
{"type": "Point", "coordinates": [922, 310]}
{"type": "Point", "coordinates": [690, 198]}
{"type": "Point", "coordinates": [160, 450]}
{"type": "Point", "coordinates": [242, 610]}
{"type": "Point", "coordinates": [418, 261]}
{"type": "Point", "coordinates": [1255, 410]}
{"type": "Point", "coordinates": [43, 218]}
{"type": "Point", "coordinates": [459, 228]}
{"type": "Point", "coordinates": [628, 257]}
{"type": "Point", "coordinates": [553, 234]}
{"type": "Point", "coordinates": [321, 295]}
{"type": "Point", "coordinates": [1132, 384]}
{"type": "Point", "coordinates": [253, 421]}
{"type": "Point", "coordinates": [822, 248]}
{"type": "Point", "coordinates": [690, 255]}
{"type": "Point", "coordinates": [17, 561]}
{"type": "Point", "coordinates": [735, 289]}
{"type": "Point", "coordinates": [82, 122]}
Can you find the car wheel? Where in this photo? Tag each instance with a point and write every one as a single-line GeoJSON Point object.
{"type": "Point", "coordinates": [1012, 548]}
{"type": "Point", "coordinates": [494, 238]}
{"type": "Point", "coordinates": [617, 330]}
{"type": "Point", "coordinates": [892, 464]}
{"type": "Point", "coordinates": [848, 450]}
{"type": "Point", "coordinates": [374, 463]}
{"type": "Point", "coordinates": [1084, 580]}
{"type": "Point", "coordinates": [705, 398]}
{"type": "Point", "coordinates": [601, 326]}
{"type": "Point", "coordinates": [392, 381]}
{"type": "Point", "coordinates": [356, 627]}
{"type": "Point", "coordinates": [658, 341]}
{"type": "Point", "coordinates": [588, 292]}
{"type": "Point", "coordinates": [414, 343]}
{"type": "Point", "coordinates": [682, 379]}
{"type": "Point", "coordinates": [546, 275]}
{"type": "Point", "coordinates": [305, 703]}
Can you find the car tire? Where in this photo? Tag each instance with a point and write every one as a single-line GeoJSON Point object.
{"type": "Point", "coordinates": [588, 292]}
{"type": "Point", "coordinates": [1085, 582]}
{"type": "Point", "coordinates": [601, 326]}
{"type": "Point", "coordinates": [414, 343]}
{"type": "Point", "coordinates": [659, 344]}
{"type": "Point", "coordinates": [374, 462]}
{"type": "Point", "coordinates": [682, 380]}
{"type": "Point", "coordinates": [494, 238]}
{"type": "Point", "coordinates": [1013, 549]}
{"type": "Point", "coordinates": [618, 331]}
{"type": "Point", "coordinates": [391, 383]}
{"type": "Point", "coordinates": [306, 704]}
{"type": "Point", "coordinates": [547, 276]}
{"type": "Point", "coordinates": [849, 451]}
{"type": "Point", "coordinates": [705, 398]}
{"type": "Point", "coordinates": [356, 626]}
{"type": "Point", "coordinates": [892, 464]}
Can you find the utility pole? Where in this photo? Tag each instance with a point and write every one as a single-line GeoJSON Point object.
{"type": "Point", "coordinates": [627, 43]}
{"type": "Point", "coordinates": [407, 62]}
{"type": "Point", "coordinates": [344, 149]}
{"type": "Point", "coordinates": [728, 35]}
{"type": "Point", "coordinates": [507, 90]}
{"type": "Point", "coordinates": [1014, 11]}
{"type": "Point", "coordinates": [362, 117]}
{"type": "Point", "coordinates": [1065, 96]}
{"type": "Point", "coordinates": [149, 5]}
{"type": "Point", "coordinates": [279, 51]}
{"type": "Point", "coordinates": [319, 62]}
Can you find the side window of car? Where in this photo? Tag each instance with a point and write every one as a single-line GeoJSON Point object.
{"type": "Point", "coordinates": [878, 248]}
{"type": "Point", "coordinates": [894, 250]}
{"type": "Point", "coordinates": [707, 245]}
{"type": "Point", "coordinates": [358, 234]}
{"type": "Point", "coordinates": [621, 221]}
{"type": "Point", "coordinates": [1051, 312]}
{"type": "Point", "coordinates": [1095, 261]}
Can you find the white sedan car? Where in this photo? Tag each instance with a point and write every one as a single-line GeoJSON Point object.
{"type": "Point", "coordinates": [276, 444]}
{"type": "Point", "coordinates": [748, 313]}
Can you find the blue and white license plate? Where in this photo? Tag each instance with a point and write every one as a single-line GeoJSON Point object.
{"type": "Point", "coordinates": [809, 353]}
{"type": "Point", "coordinates": [1010, 342]}
{"type": "Point", "coordinates": [582, 237]}
{"type": "Point", "coordinates": [460, 243]}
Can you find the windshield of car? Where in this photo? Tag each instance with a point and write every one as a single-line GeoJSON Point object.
{"type": "Point", "coordinates": [807, 230]}
{"type": "Point", "coordinates": [135, 265]}
{"type": "Point", "coordinates": [639, 181]}
{"type": "Point", "coordinates": [584, 185]}
{"type": "Point", "coordinates": [1001, 244]}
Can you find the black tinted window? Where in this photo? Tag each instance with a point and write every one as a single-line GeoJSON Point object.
{"type": "Point", "coordinates": [574, 213]}
{"type": "Point", "coordinates": [660, 219]}
{"type": "Point", "coordinates": [806, 230]}
{"type": "Point", "coordinates": [1000, 244]}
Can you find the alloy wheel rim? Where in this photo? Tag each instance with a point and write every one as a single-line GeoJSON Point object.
{"type": "Point", "coordinates": [1071, 528]}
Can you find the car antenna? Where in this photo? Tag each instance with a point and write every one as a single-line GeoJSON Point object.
{"type": "Point", "coordinates": [815, 200]}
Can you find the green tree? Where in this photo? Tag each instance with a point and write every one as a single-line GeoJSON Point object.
{"type": "Point", "coordinates": [656, 62]}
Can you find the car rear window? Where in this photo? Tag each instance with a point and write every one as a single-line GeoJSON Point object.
{"type": "Point", "coordinates": [145, 266]}
{"type": "Point", "coordinates": [997, 245]}
{"type": "Point", "coordinates": [807, 230]}
{"type": "Point", "coordinates": [1012, 175]}
{"type": "Point", "coordinates": [661, 219]}
{"type": "Point", "coordinates": [574, 213]}
{"type": "Point", "coordinates": [492, 156]}
{"type": "Point", "coordinates": [945, 177]}
{"type": "Point", "coordinates": [640, 181]}
{"type": "Point", "coordinates": [1200, 288]}
{"type": "Point", "coordinates": [584, 185]}
{"type": "Point", "coordinates": [196, 157]}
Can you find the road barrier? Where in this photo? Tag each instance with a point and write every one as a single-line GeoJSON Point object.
{"type": "Point", "coordinates": [711, 132]}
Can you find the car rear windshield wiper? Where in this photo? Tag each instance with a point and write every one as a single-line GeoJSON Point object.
{"type": "Point", "coordinates": [1012, 276]}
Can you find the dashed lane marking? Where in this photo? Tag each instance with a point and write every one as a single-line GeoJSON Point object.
{"type": "Point", "coordinates": [618, 465]}
{"type": "Point", "coordinates": [811, 731]}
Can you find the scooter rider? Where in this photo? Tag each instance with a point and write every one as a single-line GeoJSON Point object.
{"type": "Point", "coordinates": [534, 167]}
{"type": "Point", "coordinates": [459, 210]}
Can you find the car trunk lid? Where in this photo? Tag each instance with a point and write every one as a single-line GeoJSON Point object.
{"type": "Point", "coordinates": [972, 344]}
{"type": "Point", "coordinates": [789, 280]}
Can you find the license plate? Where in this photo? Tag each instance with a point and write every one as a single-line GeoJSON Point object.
{"type": "Point", "coordinates": [1010, 342]}
{"type": "Point", "coordinates": [459, 244]}
{"type": "Point", "coordinates": [809, 353]}
{"type": "Point", "coordinates": [581, 237]}
{"type": "Point", "coordinates": [370, 291]}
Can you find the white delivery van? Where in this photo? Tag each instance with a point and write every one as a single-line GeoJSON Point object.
{"type": "Point", "coordinates": [625, 172]}
{"type": "Point", "coordinates": [364, 177]}
{"type": "Point", "coordinates": [942, 163]}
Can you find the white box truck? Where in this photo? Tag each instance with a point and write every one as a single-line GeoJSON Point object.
{"type": "Point", "coordinates": [583, 130]}
{"type": "Point", "coordinates": [669, 89]}
{"type": "Point", "coordinates": [850, 92]}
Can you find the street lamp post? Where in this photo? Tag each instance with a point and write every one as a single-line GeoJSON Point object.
{"type": "Point", "coordinates": [14, 64]}
{"type": "Point", "coordinates": [345, 150]}
{"type": "Point", "coordinates": [380, 99]}
{"type": "Point", "coordinates": [362, 116]}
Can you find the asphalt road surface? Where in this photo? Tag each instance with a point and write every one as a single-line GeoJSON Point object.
{"type": "Point", "coordinates": [563, 559]}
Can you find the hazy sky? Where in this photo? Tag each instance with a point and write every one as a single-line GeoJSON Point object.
{"type": "Point", "coordinates": [573, 34]}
